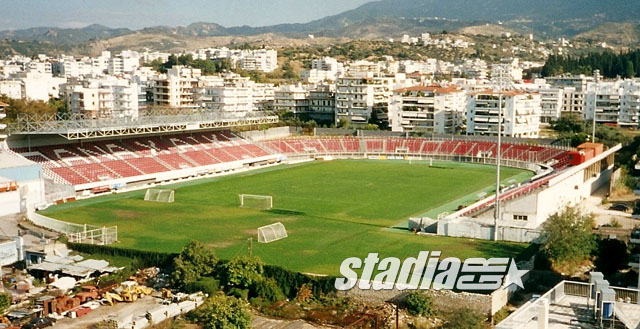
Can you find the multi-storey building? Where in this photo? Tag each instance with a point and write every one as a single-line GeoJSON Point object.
{"type": "Point", "coordinates": [292, 98]}
{"type": "Point", "coordinates": [614, 102]}
{"type": "Point", "coordinates": [11, 88]}
{"type": "Point", "coordinates": [358, 95]}
{"type": "Point", "coordinates": [232, 96]}
{"type": "Point", "coordinates": [265, 60]}
{"type": "Point", "coordinates": [125, 62]}
{"type": "Point", "coordinates": [551, 104]}
{"type": "Point", "coordinates": [176, 88]}
{"type": "Point", "coordinates": [322, 104]}
{"type": "Point", "coordinates": [105, 96]}
{"type": "Point", "coordinates": [434, 109]}
{"type": "Point", "coordinates": [520, 114]}
{"type": "Point", "coordinates": [573, 92]}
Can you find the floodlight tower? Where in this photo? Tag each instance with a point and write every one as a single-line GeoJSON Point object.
{"type": "Point", "coordinates": [501, 80]}
{"type": "Point", "coordinates": [596, 75]}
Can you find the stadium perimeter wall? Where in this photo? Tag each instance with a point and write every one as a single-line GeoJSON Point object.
{"type": "Point", "coordinates": [271, 133]}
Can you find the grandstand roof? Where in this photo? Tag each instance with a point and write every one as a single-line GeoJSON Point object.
{"type": "Point", "coordinates": [10, 160]}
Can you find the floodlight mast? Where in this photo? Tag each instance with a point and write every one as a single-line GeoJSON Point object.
{"type": "Point", "coordinates": [501, 81]}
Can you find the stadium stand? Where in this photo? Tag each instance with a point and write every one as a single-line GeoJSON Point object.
{"type": "Point", "coordinates": [93, 162]}
{"type": "Point", "coordinates": [90, 162]}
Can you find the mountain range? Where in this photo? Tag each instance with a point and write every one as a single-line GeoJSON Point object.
{"type": "Point", "coordinates": [391, 18]}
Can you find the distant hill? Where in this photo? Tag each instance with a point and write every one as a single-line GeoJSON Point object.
{"type": "Point", "coordinates": [60, 35]}
{"type": "Point", "coordinates": [391, 18]}
{"type": "Point", "coordinates": [616, 34]}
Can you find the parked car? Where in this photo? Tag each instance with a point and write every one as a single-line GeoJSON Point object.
{"type": "Point", "coordinates": [38, 323]}
{"type": "Point", "coordinates": [619, 207]}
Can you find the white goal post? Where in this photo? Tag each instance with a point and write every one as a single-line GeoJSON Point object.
{"type": "Point", "coordinates": [270, 233]}
{"type": "Point", "coordinates": [159, 195]}
{"type": "Point", "coordinates": [255, 201]}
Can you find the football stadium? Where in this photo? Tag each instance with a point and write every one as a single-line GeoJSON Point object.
{"type": "Point", "coordinates": [302, 202]}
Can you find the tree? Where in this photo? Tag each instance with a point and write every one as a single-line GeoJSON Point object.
{"type": "Point", "coordinates": [568, 239]}
{"type": "Point", "coordinates": [5, 302]}
{"type": "Point", "coordinates": [464, 319]}
{"type": "Point", "coordinates": [344, 123]}
{"type": "Point", "coordinates": [223, 312]}
{"type": "Point", "coordinates": [612, 256]}
{"type": "Point", "coordinates": [629, 72]}
{"type": "Point", "coordinates": [195, 261]}
{"type": "Point", "coordinates": [418, 303]}
{"type": "Point", "coordinates": [241, 272]}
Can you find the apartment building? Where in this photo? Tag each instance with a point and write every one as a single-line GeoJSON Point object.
{"type": "Point", "coordinates": [175, 89]}
{"type": "Point", "coordinates": [102, 96]}
{"type": "Point", "coordinates": [433, 109]}
{"type": "Point", "coordinates": [614, 102]}
{"type": "Point", "coordinates": [232, 96]}
{"type": "Point", "coordinates": [322, 104]}
{"type": "Point", "coordinates": [265, 60]}
{"type": "Point", "coordinates": [11, 88]}
{"type": "Point", "coordinates": [357, 95]}
{"type": "Point", "coordinates": [520, 114]}
{"type": "Point", "coordinates": [292, 98]}
{"type": "Point", "coordinates": [551, 104]}
{"type": "Point", "coordinates": [573, 92]}
{"type": "Point", "coordinates": [125, 62]}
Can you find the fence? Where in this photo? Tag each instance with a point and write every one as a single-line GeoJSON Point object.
{"type": "Point", "coordinates": [79, 233]}
{"type": "Point", "coordinates": [529, 311]}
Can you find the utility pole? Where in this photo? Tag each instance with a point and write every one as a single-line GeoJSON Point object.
{"type": "Point", "coordinates": [251, 247]}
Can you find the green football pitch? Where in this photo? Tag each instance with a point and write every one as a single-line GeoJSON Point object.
{"type": "Point", "coordinates": [331, 210]}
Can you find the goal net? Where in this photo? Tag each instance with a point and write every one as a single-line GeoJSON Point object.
{"type": "Point", "coordinates": [256, 201]}
{"type": "Point", "coordinates": [271, 233]}
{"type": "Point", "coordinates": [159, 195]}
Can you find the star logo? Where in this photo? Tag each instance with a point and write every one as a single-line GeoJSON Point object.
{"type": "Point", "coordinates": [514, 275]}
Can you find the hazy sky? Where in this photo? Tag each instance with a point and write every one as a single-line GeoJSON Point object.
{"type": "Point", "coordinates": [19, 14]}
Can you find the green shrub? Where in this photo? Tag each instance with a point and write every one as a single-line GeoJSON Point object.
{"type": "Point", "coordinates": [464, 319]}
{"type": "Point", "coordinates": [239, 293]}
{"type": "Point", "coordinates": [418, 303]}
{"type": "Point", "coordinates": [207, 285]}
{"type": "Point", "coordinates": [290, 281]}
{"type": "Point", "coordinates": [268, 290]}
{"type": "Point", "coordinates": [223, 312]}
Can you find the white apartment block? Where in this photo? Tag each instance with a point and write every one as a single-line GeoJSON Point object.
{"type": "Point", "coordinates": [475, 69]}
{"type": "Point", "coordinates": [358, 95]}
{"type": "Point", "coordinates": [291, 98]}
{"type": "Point", "coordinates": [39, 86]}
{"type": "Point", "coordinates": [514, 71]}
{"type": "Point", "coordinates": [104, 96]}
{"type": "Point", "coordinates": [234, 96]}
{"type": "Point", "coordinates": [175, 89]}
{"type": "Point", "coordinates": [265, 60]}
{"type": "Point", "coordinates": [614, 102]}
{"type": "Point", "coordinates": [551, 103]}
{"type": "Point", "coordinates": [520, 114]}
{"type": "Point", "coordinates": [11, 88]}
{"type": "Point", "coordinates": [433, 109]}
{"type": "Point", "coordinates": [38, 67]}
{"type": "Point", "coordinates": [125, 62]}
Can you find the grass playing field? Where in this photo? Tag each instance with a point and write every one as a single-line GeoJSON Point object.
{"type": "Point", "coordinates": [331, 210]}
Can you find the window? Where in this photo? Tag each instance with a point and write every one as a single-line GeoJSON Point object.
{"type": "Point", "coordinates": [521, 217]}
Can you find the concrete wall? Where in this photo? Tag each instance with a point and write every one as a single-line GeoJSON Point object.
{"type": "Point", "coordinates": [271, 133]}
